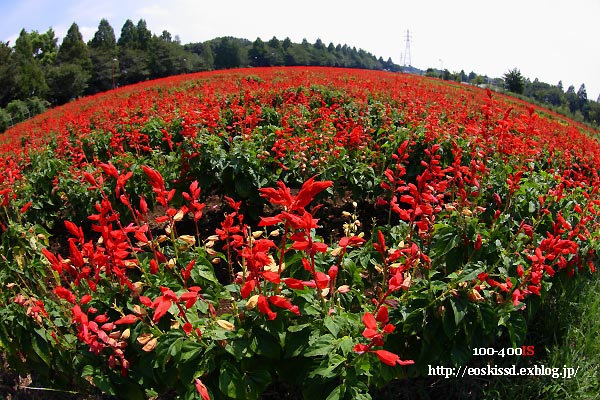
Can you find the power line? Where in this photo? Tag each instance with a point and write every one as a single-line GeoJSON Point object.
{"type": "Point", "coordinates": [407, 60]}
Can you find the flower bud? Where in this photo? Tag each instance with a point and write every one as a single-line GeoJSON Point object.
{"type": "Point", "coordinates": [333, 271]}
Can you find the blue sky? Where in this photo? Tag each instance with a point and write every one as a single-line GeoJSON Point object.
{"type": "Point", "coordinates": [551, 40]}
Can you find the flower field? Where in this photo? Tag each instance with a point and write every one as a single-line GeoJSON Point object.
{"type": "Point", "coordinates": [210, 235]}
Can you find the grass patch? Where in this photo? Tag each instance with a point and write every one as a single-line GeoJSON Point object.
{"type": "Point", "coordinates": [567, 333]}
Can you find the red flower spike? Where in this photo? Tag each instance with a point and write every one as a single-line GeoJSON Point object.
{"type": "Point", "coordinates": [162, 304]}
{"type": "Point", "coordinates": [520, 271]}
{"type": "Point", "coordinates": [361, 348]}
{"type": "Point", "coordinates": [90, 179]}
{"type": "Point", "coordinates": [143, 206]}
{"type": "Point", "coordinates": [282, 302]}
{"type": "Point", "coordinates": [293, 283]}
{"type": "Point", "coordinates": [190, 299]}
{"type": "Point", "coordinates": [322, 280]}
{"type": "Point", "coordinates": [202, 390]}
{"type": "Point", "coordinates": [309, 190]}
{"type": "Point", "coordinates": [153, 266]}
{"type": "Point", "coordinates": [383, 315]}
{"type": "Point", "coordinates": [110, 169]}
{"type": "Point", "coordinates": [126, 320]}
{"type": "Point", "coordinates": [247, 288]}
{"type": "Point", "coordinates": [306, 265]}
{"type": "Point", "coordinates": [263, 307]}
{"type": "Point", "coordinates": [333, 271]}
{"type": "Point", "coordinates": [271, 276]}
{"type": "Point", "coordinates": [65, 294]}
{"type": "Point", "coordinates": [391, 359]}
{"type": "Point", "coordinates": [146, 301]}
{"type": "Point", "coordinates": [478, 242]}
{"type": "Point", "coordinates": [25, 207]}
{"type": "Point", "coordinates": [369, 321]}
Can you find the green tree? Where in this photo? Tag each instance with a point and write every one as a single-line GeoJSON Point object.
{"type": "Point", "coordinates": [29, 78]}
{"type": "Point", "coordinates": [103, 53]}
{"type": "Point", "coordinates": [572, 99]}
{"type": "Point", "coordinates": [169, 58]}
{"type": "Point", "coordinates": [67, 81]}
{"type": "Point", "coordinates": [228, 54]}
{"type": "Point", "coordinates": [275, 53]}
{"type": "Point", "coordinates": [44, 46]}
{"type": "Point", "coordinates": [143, 34]}
{"type": "Point", "coordinates": [5, 120]}
{"type": "Point", "coordinates": [69, 77]}
{"type": "Point", "coordinates": [18, 110]}
{"type": "Point", "coordinates": [319, 45]}
{"type": "Point", "coordinates": [104, 38]}
{"type": "Point", "coordinates": [133, 61]}
{"type": "Point", "coordinates": [582, 95]}
{"type": "Point", "coordinates": [133, 66]}
{"type": "Point", "coordinates": [257, 55]}
{"type": "Point", "coordinates": [514, 81]}
{"type": "Point", "coordinates": [208, 56]}
{"type": "Point", "coordinates": [166, 36]}
{"type": "Point", "coordinates": [73, 49]}
{"type": "Point", "coordinates": [129, 37]}
{"type": "Point", "coordinates": [7, 74]}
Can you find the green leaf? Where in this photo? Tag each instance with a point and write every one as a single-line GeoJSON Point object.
{"type": "Point", "coordinates": [103, 383]}
{"type": "Point", "coordinates": [517, 329]}
{"type": "Point", "coordinates": [323, 345]}
{"type": "Point", "coordinates": [298, 328]}
{"type": "Point", "coordinates": [459, 309]}
{"type": "Point", "coordinates": [88, 370]}
{"type": "Point", "coordinates": [327, 367]}
{"type": "Point", "coordinates": [41, 348]}
{"type": "Point", "coordinates": [190, 350]}
{"type": "Point", "coordinates": [346, 344]}
{"type": "Point", "coordinates": [470, 276]}
{"type": "Point", "coordinates": [413, 321]}
{"type": "Point", "coordinates": [231, 382]}
{"type": "Point", "coordinates": [331, 326]}
{"type": "Point", "coordinates": [264, 344]}
{"type": "Point", "coordinates": [337, 393]}
{"type": "Point", "coordinates": [296, 343]}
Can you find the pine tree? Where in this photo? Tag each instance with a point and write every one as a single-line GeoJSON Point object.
{"type": "Point", "coordinates": [514, 81]}
{"type": "Point", "coordinates": [143, 35]}
{"type": "Point", "coordinates": [103, 52]}
{"type": "Point", "coordinates": [129, 37]}
{"type": "Point", "coordinates": [73, 49]}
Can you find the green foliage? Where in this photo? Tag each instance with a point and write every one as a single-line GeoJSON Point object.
{"type": "Point", "coordinates": [228, 54]}
{"type": "Point", "coordinates": [514, 81]}
{"type": "Point", "coordinates": [73, 50]}
{"type": "Point", "coordinates": [18, 110]}
{"type": "Point", "coordinates": [5, 120]}
{"type": "Point", "coordinates": [67, 81]}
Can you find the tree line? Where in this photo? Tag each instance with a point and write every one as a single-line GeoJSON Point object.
{"type": "Point", "coordinates": [573, 104]}
{"type": "Point", "coordinates": [37, 73]}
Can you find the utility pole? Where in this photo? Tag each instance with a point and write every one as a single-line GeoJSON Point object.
{"type": "Point", "coordinates": [114, 60]}
{"type": "Point", "coordinates": [407, 60]}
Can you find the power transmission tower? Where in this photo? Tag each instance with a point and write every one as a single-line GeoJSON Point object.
{"type": "Point", "coordinates": [407, 49]}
